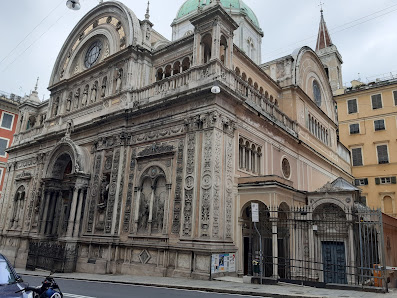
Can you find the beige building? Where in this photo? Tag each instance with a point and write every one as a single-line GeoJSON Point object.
{"type": "Point", "coordinates": [368, 127]}
{"type": "Point", "coordinates": [149, 153]}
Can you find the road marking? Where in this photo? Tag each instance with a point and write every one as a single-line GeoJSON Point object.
{"type": "Point", "coordinates": [76, 296]}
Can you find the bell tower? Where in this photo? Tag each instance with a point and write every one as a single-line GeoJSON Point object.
{"type": "Point", "coordinates": [213, 35]}
{"type": "Point", "coordinates": [329, 56]}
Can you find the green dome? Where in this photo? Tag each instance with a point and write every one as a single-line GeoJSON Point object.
{"type": "Point", "coordinates": [191, 5]}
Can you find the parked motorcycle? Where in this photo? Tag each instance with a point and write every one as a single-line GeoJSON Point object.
{"type": "Point", "coordinates": [48, 289]}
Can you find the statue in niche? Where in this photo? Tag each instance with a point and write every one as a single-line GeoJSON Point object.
{"type": "Point", "coordinates": [104, 192]}
{"type": "Point", "coordinates": [160, 216]}
{"type": "Point", "coordinates": [76, 99]}
{"type": "Point", "coordinates": [143, 214]}
{"type": "Point", "coordinates": [104, 82]}
{"type": "Point", "coordinates": [119, 79]}
{"type": "Point", "coordinates": [69, 102]}
{"type": "Point", "coordinates": [68, 129]}
{"type": "Point", "coordinates": [55, 107]}
{"type": "Point", "coordinates": [94, 91]}
{"type": "Point", "coordinates": [85, 96]}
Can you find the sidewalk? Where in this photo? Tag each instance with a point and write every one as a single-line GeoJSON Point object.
{"type": "Point", "coordinates": [228, 285]}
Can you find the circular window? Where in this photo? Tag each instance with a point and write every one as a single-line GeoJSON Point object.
{"type": "Point", "coordinates": [317, 93]}
{"type": "Point", "coordinates": [93, 54]}
{"type": "Point", "coordinates": [286, 168]}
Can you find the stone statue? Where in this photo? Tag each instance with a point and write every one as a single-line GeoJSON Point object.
{"type": "Point", "coordinates": [68, 129]}
{"type": "Point", "coordinates": [104, 82]}
{"type": "Point", "coordinates": [94, 91]}
{"type": "Point", "coordinates": [119, 79]}
{"type": "Point", "coordinates": [76, 99]}
{"type": "Point", "coordinates": [55, 107]}
{"type": "Point", "coordinates": [69, 102]}
{"type": "Point", "coordinates": [144, 215]}
{"type": "Point", "coordinates": [85, 96]}
{"type": "Point", "coordinates": [104, 193]}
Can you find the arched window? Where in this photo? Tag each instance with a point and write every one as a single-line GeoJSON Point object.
{"type": "Point", "coordinates": [206, 43]}
{"type": "Point", "coordinates": [261, 90]}
{"type": "Point", "coordinates": [244, 77]}
{"type": "Point", "coordinates": [250, 81]}
{"type": "Point", "coordinates": [271, 98]}
{"type": "Point", "coordinates": [167, 71]}
{"type": "Point", "coordinates": [159, 74]}
{"type": "Point", "coordinates": [247, 156]}
{"type": "Point", "coordinates": [253, 159]}
{"type": "Point", "coordinates": [237, 71]}
{"type": "Point", "coordinates": [176, 68]}
{"type": "Point", "coordinates": [267, 95]}
{"type": "Point", "coordinates": [259, 158]}
{"type": "Point", "coordinates": [241, 153]}
{"type": "Point", "coordinates": [185, 64]}
{"type": "Point", "coordinates": [256, 86]}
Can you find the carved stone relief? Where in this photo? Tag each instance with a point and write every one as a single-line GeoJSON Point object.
{"type": "Point", "coordinates": [121, 188]}
{"type": "Point", "coordinates": [94, 192]}
{"type": "Point", "coordinates": [112, 191]}
{"type": "Point", "coordinates": [206, 185]}
{"type": "Point", "coordinates": [178, 190]}
{"type": "Point", "coordinates": [130, 192]}
{"type": "Point", "coordinates": [189, 185]}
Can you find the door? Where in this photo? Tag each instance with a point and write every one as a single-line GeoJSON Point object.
{"type": "Point", "coordinates": [334, 262]}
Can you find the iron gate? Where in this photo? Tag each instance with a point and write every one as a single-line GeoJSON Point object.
{"type": "Point", "coordinates": [325, 245]}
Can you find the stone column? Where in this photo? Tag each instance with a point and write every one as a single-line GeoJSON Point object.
{"type": "Point", "coordinates": [58, 201]}
{"type": "Point", "coordinates": [273, 220]}
{"type": "Point", "coordinates": [51, 211]}
{"type": "Point", "coordinates": [243, 159]}
{"type": "Point", "coordinates": [137, 203]}
{"type": "Point", "coordinates": [151, 211]}
{"type": "Point", "coordinates": [78, 215]}
{"type": "Point", "coordinates": [72, 213]}
{"type": "Point", "coordinates": [45, 213]}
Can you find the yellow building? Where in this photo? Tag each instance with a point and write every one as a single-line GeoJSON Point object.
{"type": "Point", "coordinates": [368, 127]}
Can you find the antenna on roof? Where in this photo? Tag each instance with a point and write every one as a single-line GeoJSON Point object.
{"type": "Point", "coordinates": [147, 15]}
{"type": "Point", "coordinates": [321, 6]}
{"type": "Point", "coordinates": [37, 83]}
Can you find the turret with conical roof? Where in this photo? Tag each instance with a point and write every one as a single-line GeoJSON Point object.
{"type": "Point", "coordinates": [329, 55]}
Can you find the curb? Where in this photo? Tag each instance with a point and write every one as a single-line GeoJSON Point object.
{"type": "Point", "coordinates": [181, 287]}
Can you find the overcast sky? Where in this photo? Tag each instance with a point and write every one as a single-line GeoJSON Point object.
{"type": "Point", "coordinates": [365, 32]}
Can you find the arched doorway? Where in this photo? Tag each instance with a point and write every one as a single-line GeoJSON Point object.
{"type": "Point", "coordinates": [64, 192]}
{"type": "Point", "coordinates": [283, 241]}
{"type": "Point", "coordinates": [251, 241]}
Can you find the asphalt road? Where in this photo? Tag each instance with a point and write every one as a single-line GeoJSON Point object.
{"type": "Point", "coordinates": [88, 289]}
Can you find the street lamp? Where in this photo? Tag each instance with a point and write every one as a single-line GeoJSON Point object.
{"type": "Point", "coordinates": [73, 4]}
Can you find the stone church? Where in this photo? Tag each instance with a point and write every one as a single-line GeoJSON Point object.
{"type": "Point", "coordinates": [149, 152]}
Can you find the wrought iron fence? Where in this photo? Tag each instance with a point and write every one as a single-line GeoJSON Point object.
{"type": "Point", "coordinates": [325, 245]}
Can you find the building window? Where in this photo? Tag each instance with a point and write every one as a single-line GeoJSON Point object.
{"type": "Point", "coordinates": [352, 106]}
{"type": "Point", "coordinates": [395, 97]}
{"type": "Point", "coordinates": [361, 181]}
{"type": "Point", "coordinates": [317, 93]}
{"type": "Point", "coordinates": [286, 168]}
{"type": "Point", "coordinates": [383, 156]}
{"type": "Point", "coordinates": [385, 180]}
{"type": "Point", "coordinates": [379, 125]}
{"type": "Point", "coordinates": [388, 205]}
{"type": "Point", "coordinates": [250, 156]}
{"type": "Point", "coordinates": [357, 157]}
{"type": "Point", "coordinates": [7, 120]}
{"type": "Point", "coordinates": [363, 200]}
{"type": "Point", "coordinates": [376, 101]}
{"type": "Point", "coordinates": [3, 147]}
{"type": "Point", "coordinates": [354, 128]}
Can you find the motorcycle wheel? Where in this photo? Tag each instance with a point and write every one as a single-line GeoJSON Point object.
{"type": "Point", "coordinates": [56, 295]}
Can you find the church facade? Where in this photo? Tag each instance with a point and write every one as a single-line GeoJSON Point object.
{"type": "Point", "coordinates": [149, 152]}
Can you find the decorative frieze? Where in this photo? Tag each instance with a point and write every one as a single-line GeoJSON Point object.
{"type": "Point", "coordinates": [217, 183]}
{"type": "Point", "coordinates": [156, 149]}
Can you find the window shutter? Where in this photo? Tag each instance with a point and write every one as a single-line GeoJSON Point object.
{"type": "Point", "coordinates": [393, 180]}
{"type": "Point", "coordinates": [377, 181]}
{"type": "Point", "coordinates": [356, 182]}
{"type": "Point", "coordinates": [366, 181]}
{"type": "Point", "coordinates": [395, 97]}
